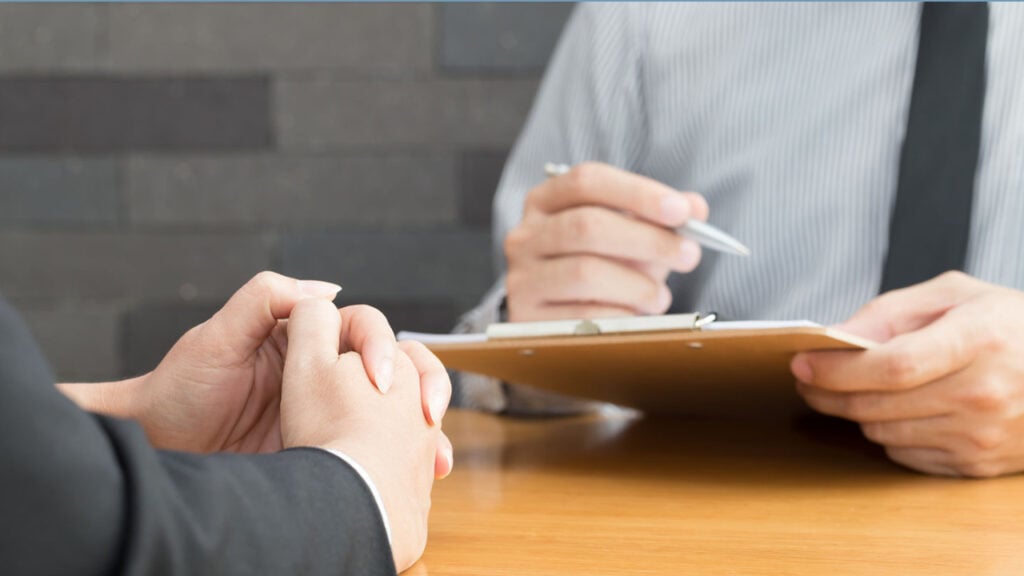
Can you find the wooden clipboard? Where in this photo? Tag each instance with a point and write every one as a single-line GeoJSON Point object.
{"type": "Point", "coordinates": [678, 371]}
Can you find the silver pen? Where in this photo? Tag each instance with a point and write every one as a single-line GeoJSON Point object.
{"type": "Point", "coordinates": [703, 233]}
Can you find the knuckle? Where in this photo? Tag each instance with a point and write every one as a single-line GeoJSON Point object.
{"type": "Point", "coordinates": [312, 306]}
{"type": "Point", "coordinates": [404, 365]}
{"type": "Point", "coordinates": [581, 226]}
{"type": "Point", "coordinates": [413, 348]}
{"type": "Point", "coordinates": [583, 177]}
{"type": "Point", "coordinates": [900, 370]}
{"type": "Point", "coordinates": [874, 431]}
{"type": "Point", "coordinates": [987, 438]}
{"type": "Point", "coordinates": [262, 282]}
{"type": "Point", "coordinates": [582, 271]}
{"type": "Point", "coordinates": [533, 200]}
{"type": "Point", "coordinates": [666, 246]}
{"type": "Point", "coordinates": [879, 306]}
{"type": "Point", "coordinates": [515, 242]}
{"type": "Point", "coordinates": [988, 396]}
{"type": "Point", "coordinates": [884, 307]}
{"type": "Point", "coordinates": [978, 468]}
{"type": "Point", "coordinates": [368, 312]}
{"type": "Point", "coordinates": [953, 276]}
{"type": "Point", "coordinates": [858, 407]}
{"type": "Point", "coordinates": [995, 341]}
{"type": "Point", "coordinates": [196, 333]}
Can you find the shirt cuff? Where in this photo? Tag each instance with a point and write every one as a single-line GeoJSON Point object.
{"type": "Point", "coordinates": [369, 484]}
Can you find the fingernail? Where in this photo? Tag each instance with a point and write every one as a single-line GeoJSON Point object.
{"type": "Point", "coordinates": [450, 457]}
{"type": "Point", "coordinates": [318, 289]}
{"type": "Point", "coordinates": [801, 368]}
{"type": "Point", "coordinates": [385, 374]}
{"type": "Point", "coordinates": [449, 460]}
{"type": "Point", "coordinates": [689, 254]}
{"type": "Point", "coordinates": [674, 209]}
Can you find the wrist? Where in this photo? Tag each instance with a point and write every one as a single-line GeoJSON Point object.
{"type": "Point", "coordinates": [118, 399]}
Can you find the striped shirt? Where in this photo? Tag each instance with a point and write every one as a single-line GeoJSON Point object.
{"type": "Point", "coordinates": [789, 119]}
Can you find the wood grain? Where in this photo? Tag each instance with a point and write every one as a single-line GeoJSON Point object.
{"type": "Point", "coordinates": [619, 495]}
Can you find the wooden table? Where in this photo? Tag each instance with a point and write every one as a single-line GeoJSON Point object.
{"type": "Point", "coordinates": [790, 495]}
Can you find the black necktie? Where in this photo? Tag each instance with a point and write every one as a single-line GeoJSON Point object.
{"type": "Point", "coordinates": [931, 220]}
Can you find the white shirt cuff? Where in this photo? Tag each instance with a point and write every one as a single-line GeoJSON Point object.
{"type": "Point", "coordinates": [369, 484]}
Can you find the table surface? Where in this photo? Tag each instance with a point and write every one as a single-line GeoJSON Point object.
{"type": "Point", "coordinates": [800, 494]}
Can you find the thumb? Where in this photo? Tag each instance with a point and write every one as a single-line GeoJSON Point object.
{"type": "Point", "coordinates": [912, 308]}
{"type": "Point", "coordinates": [251, 314]}
{"type": "Point", "coordinates": [313, 329]}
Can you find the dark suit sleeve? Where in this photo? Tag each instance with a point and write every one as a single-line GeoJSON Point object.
{"type": "Point", "coordinates": [84, 494]}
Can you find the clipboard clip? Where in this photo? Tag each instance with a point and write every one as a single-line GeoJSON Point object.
{"type": "Point", "coordinates": [599, 326]}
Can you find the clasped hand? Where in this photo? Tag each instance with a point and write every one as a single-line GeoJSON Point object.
{"type": "Point", "coordinates": [278, 367]}
{"type": "Point", "coordinates": [944, 391]}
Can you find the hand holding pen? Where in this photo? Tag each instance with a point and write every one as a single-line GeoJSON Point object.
{"type": "Point", "coordinates": [597, 241]}
{"type": "Point", "coordinates": [703, 233]}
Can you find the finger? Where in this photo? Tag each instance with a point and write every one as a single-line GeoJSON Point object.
{"type": "Point", "coordinates": [928, 460]}
{"type": "Point", "coordinates": [590, 279]}
{"type": "Point", "coordinates": [912, 433]}
{"type": "Point", "coordinates": [313, 332]}
{"type": "Point", "coordinates": [907, 361]}
{"type": "Point", "coordinates": [366, 330]}
{"type": "Point", "coordinates": [565, 312]}
{"type": "Point", "coordinates": [653, 271]}
{"type": "Point", "coordinates": [936, 399]}
{"type": "Point", "coordinates": [908, 309]}
{"type": "Point", "coordinates": [249, 316]}
{"type": "Point", "coordinates": [444, 460]}
{"type": "Point", "coordinates": [602, 232]}
{"type": "Point", "coordinates": [604, 185]}
{"type": "Point", "coordinates": [435, 385]}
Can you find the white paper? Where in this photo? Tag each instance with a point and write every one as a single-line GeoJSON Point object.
{"type": "Point", "coordinates": [761, 325]}
{"type": "Point", "coordinates": [442, 338]}
{"type": "Point", "coordinates": [476, 338]}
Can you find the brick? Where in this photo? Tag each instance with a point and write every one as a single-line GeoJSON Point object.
{"type": "Point", "coordinates": [108, 265]}
{"type": "Point", "coordinates": [363, 38]}
{"type": "Point", "coordinates": [96, 114]}
{"type": "Point", "coordinates": [151, 328]}
{"type": "Point", "coordinates": [316, 114]}
{"type": "Point", "coordinates": [499, 38]}
{"type": "Point", "coordinates": [54, 191]}
{"type": "Point", "coordinates": [356, 191]}
{"type": "Point", "coordinates": [405, 266]}
{"type": "Point", "coordinates": [480, 174]}
{"type": "Point", "coordinates": [46, 37]}
{"type": "Point", "coordinates": [80, 341]}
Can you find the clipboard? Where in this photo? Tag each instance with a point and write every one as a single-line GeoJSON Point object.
{"type": "Point", "coordinates": [681, 363]}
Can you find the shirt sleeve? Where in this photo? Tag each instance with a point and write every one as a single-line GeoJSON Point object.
{"type": "Point", "coordinates": [369, 485]}
{"type": "Point", "coordinates": [589, 108]}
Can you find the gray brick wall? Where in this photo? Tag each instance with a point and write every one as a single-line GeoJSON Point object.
{"type": "Point", "coordinates": [155, 156]}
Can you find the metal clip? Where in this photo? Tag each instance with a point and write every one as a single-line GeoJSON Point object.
{"type": "Point", "coordinates": [586, 328]}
